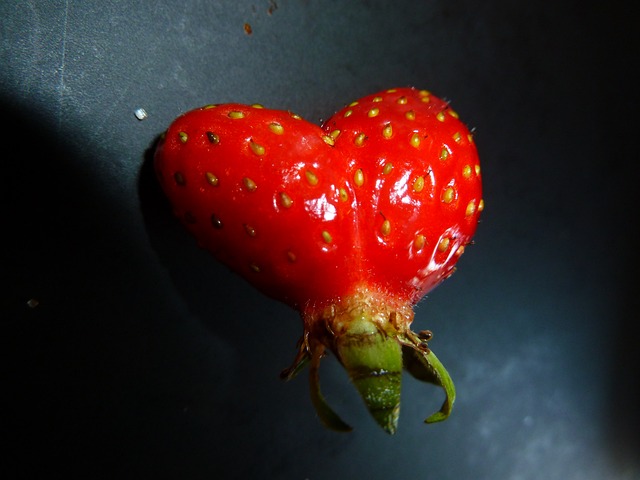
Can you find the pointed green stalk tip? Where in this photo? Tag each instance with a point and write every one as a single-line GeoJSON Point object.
{"type": "Point", "coordinates": [373, 361]}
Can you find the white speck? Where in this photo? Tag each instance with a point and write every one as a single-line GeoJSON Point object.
{"type": "Point", "coordinates": [140, 113]}
{"type": "Point", "coordinates": [321, 208]}
{"type": "Point", "coordinates": [33, 303]}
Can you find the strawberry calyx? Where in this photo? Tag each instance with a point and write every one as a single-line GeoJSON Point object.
{"type": "Point", "coordinates": [369, 333]}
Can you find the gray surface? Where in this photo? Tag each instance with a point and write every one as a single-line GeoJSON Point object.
{"type": "Point", "coordinates": [146, 359]}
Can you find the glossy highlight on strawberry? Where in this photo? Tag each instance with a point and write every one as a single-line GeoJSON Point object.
{"type": "Point", "coordinates": [350, 223]}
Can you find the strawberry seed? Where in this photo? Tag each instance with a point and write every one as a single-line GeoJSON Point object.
{"type": "Point", "coordinates": [359, 139]}
{"type": "Point", "coordinates": [256, 148]}
{"type": "Point", "coordinates": [216, 222]}
{"type": "Point", "coordinates": [311, 177]}
{"type": "Point", "coordinates": [385, 229]}
{"type": "Point", "coordinates": [285, 200]}
{"type": "Point", "coordinates": [249, 184]}
{"type": "Point", "coordinates": [179, 178]}
{"type": "Point", "coordinates": [276, 128]}
{"type": "Point", "coordinates": [443, 245]}
{"type": "Point", "coordinates": [448, 195]}
{"type": "Point", "coordinates": [250, 230]}
{"type": "Point", "coordinates": [418, 185]}
{"type": "Point", "coordinates": [213, 138]}
{"type": "Point", "coordinates": [471, 208]}
{"type": "Point", "coordinates": [211, 179]}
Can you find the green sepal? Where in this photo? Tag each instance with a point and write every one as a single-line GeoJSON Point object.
{"type": "Point", "coordinates": [301, 361]}
{"type": "Point", "coordinates": [423, 364]}
{"type": "Point", "coordinates": [326, 414]}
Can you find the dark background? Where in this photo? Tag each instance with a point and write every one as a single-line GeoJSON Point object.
{"type": "Point", "coordinates": [144, 358]}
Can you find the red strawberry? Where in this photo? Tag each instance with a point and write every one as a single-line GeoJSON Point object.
{"type": "Point", "coordinates": [351, 224]}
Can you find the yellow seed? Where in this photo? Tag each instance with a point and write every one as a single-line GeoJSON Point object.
{"type": "Point", "coordinates": [457, 137]}
{"type": "Point", "coordinates": [470, 138]}
{"type": "Point", "coordinates": [183, 137]}
{"type": "Point", "coordinates": [418, 185]}
{"type": "Point", "coordinates": [440, 116]}
{"type": "Point", "coordinates": [256, 148]}
{"type": "Point", "coordinates": [179, 178]}
{"type": "Point", "coordinates": [453, 113]}
{"type": "Point", "coordinates": [467, 171]}
{"type": "Point", "coordinates": [342, 194]}
{"type": "Point", "coordinates": [353, 104]}
{"type": "Point", "coordinates": [311, 177]}
{"type": "Point", "coordinates": [481, 205]}
{"type": "Point", "coordinates": [460, 250]}
{"type": "Point", "coordinates": [424, 93]}
{"type": "Point", "coordinates": [387, 168]}
{"type": "Point", "coordinates": [415, 140]}
{"type": "Point", "coordinates": [385, 229]}
{"type": "Point", "coordinates": [326, 236]}
{"type": "Point", "coordinates": [328, 139]}
{"type": "Point", "coordinates": [373, 112]}
{"type": "Point", "coordinates": [443, 245]}
{"type": "Point", "coordinates": [387, 131]}
{"type": "Point", "coordinates": [477, 167]}
{"type": "Point", "coordinates": [425, 99]}
{"type": "Point", "coordinates": [410, 115]}
{"type": "Point", "coordinates": [250, 230]}
{"type": "Point", "coordinates": [276, 128]}
{"type": "Point", "coordinates": [348, 113]}
{"type": "Point", "coordinates": [211, 105]}
{"type": "Point", "coordinates": [377, 99]}
{"type": "Point", "coordinates": [418, 242]}
{"type": "Point", "coordinates": [249, 184]}
{"type": "Point", "coordinates": [213, 138]}
{"type": "Point", "coordinates": [448, 195]}
{"type": "Point", "coordinates": [211, 179]}
{"type": "Point", "coordinates": [358, 177]}
{"type": "Point", "coordinates": [471, 208]}
{"type": "Point", "coordinates": [444, 153]}
{"type": "Point", "coordinates": [391, 90]}
{"type": "Point", "coordinates": [295, 116]}
{"type": "Point", "coordinates": [254, 267]}
{"type": "Point", "coordinates": [402, 100]}
{"type": "Point", "coordinates": [257, 105]}
{"type": "Point", "coordinates": [285, 200]}
{"type": "Point", "coordinates": [359, 139]}
{"type": "Point", "coordinates": [335, 134]}
{"type": "Point", "coordinates": [235, 114]}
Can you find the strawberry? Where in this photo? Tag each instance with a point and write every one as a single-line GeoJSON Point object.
{"type": "Point", "coordinates": [350, 223]}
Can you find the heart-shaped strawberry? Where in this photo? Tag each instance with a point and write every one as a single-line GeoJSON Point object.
{"type": "Point", "coordinates": [351, 224]}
